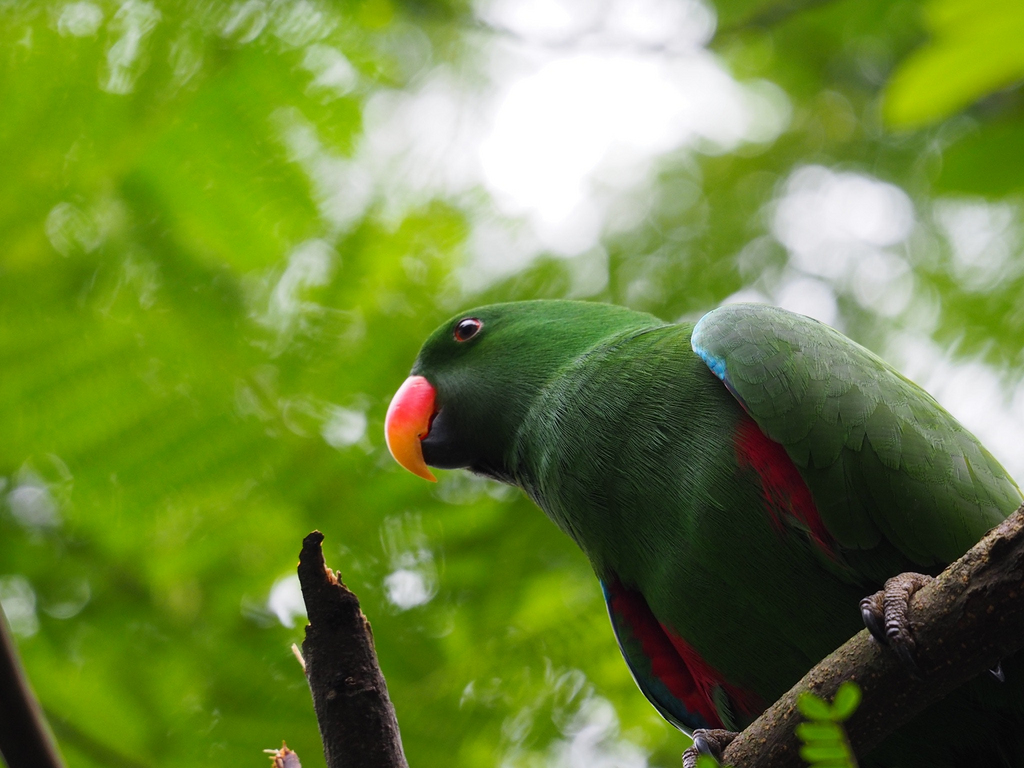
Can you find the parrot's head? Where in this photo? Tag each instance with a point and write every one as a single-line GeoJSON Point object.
{"type": "Point", "coordinates": [477, 376]}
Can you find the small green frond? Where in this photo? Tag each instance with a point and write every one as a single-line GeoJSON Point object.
{"type": "Point", "coordinates": [813, 732]}
{"type": "Point", "coordinates": [846, 701]}
{"type": "Point", "coordinates": [814, 708]}
{"type": "Point", "coordinates": [817, 754]}
{"type": "Point", "coordinates": [824, 741]}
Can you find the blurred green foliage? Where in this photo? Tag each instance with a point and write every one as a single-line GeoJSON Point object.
{"type": "Point", "coordinates": [973, 52]}
{"type": "Point", "coordinates": [206, 303]}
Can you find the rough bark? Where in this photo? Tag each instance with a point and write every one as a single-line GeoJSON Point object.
{"type": "Point", "coordinates": [356, 718]}
{"type": "Point", "coordinates": [964, 622]}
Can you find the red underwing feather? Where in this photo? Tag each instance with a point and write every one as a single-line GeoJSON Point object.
{"type": "Point", "coordinates": [666, 664]}
{"type": "Point", "coordinates": [707, 678]}
{"type": "Point", "coordinates": [675, 663]}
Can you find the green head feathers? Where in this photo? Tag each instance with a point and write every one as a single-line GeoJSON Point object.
{"type": "Point", "coordinates": [487, 373]}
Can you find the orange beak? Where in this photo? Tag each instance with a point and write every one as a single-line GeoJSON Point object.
{"type": "Point", "coordinates": [408, 422]}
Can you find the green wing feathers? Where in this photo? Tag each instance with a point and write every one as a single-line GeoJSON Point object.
{"type": "Point", "coordinates": [849, 420]}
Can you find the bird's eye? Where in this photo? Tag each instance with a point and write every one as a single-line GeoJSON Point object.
{"type": "Point", "coordinates": [467, 328]}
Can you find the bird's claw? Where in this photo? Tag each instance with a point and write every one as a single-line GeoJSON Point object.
{"type": "Point", "coordinates": [705, 747]}
{"type": "Point", "coordinates": [885, 616]}
{"type": "Point", "coordinates": [708, 741]}
{"type": "Point", "coordinates": [872, 612]}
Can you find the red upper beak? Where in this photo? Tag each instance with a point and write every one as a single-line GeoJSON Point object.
{"type": "Point", "coordinates": [408, 422]}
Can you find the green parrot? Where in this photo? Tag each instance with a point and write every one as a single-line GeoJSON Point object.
{"type": "Point", "coordinates": [738, 486]}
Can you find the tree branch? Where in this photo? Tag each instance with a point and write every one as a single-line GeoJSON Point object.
{"type": "Point", "coordinates": [964, 622]}
{"type": "Point", "coordinates": [25, 740]}
{"type": "Point", "coordinates": [357, 720]}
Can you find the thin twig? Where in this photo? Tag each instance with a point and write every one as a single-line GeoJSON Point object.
{"type": "Point", "coordinates": [25, 739]}
{"type": "Point", "coordinates": [357, 720]}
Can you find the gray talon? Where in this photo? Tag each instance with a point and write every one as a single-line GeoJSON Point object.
{"type": "Point", "coordinates": [885, 614]}
{"type": "Point", "coordinates": [906, 654]}
{"type": "Point", "coordinates": [871, 612]}
{"type": "Point", "coordinates": [708, 741]}
{"type": "Point", "coordinates": [702, 745]}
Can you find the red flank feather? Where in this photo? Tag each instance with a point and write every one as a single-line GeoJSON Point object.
{"type": "Point", "coordinates": [783, 488]}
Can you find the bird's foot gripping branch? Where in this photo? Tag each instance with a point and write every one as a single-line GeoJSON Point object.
{"type": "Point", "coordinates": [965, 622]}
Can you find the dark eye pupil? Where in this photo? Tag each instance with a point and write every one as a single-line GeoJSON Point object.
{"type": "Point", "coordinates": [467, 329]}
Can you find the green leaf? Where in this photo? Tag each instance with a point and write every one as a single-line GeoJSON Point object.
{"type": "Point", "coordinates": [818, 753]}
{"type": "Point", "coordinates": [819, 731]}
{"type": "Point", "coordinates": [975, 49]}
{"type": "Point", "coordinates": [813, 707]}
{"type": "Point", "coordinates": [846, 700]}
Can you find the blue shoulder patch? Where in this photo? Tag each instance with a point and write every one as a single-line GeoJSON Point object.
{"type": "Point", "coordinates": [716, 364]}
